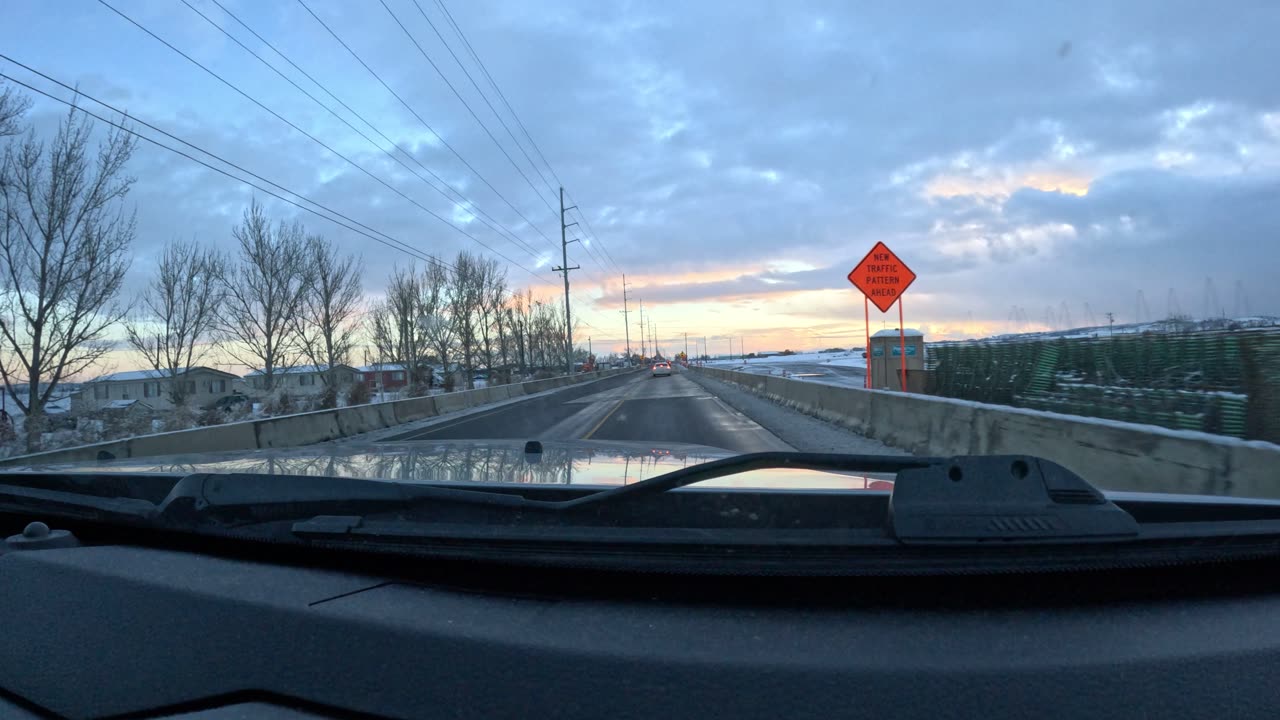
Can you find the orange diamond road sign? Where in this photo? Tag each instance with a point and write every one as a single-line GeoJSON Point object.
{"type": "Point", "coordinates": [882, 277]}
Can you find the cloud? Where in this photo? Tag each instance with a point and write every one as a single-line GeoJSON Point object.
{"type": "Point", "coordinates": [1014, 156]}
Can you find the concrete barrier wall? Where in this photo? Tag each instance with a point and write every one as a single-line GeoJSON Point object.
{"type": "Point", "coordinates": [1112, 455]}
{"type": "Point", "coordinates": [302, 428]}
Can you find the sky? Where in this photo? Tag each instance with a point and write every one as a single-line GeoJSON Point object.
{"type": "Point", "coordinates": [1036, 164]}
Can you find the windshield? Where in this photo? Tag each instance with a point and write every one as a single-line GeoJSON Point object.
{"type": "Point", "coordinates": [700, 230]}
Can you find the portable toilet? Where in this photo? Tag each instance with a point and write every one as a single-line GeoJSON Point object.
{"type": "Point", "coordinates": [886, 360]}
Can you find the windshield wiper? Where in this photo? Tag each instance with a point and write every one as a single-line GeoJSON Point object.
{"type": "Point", "coordinates": [948, 500]}
{"type": "Point", "coordinates": [738, 464]}
{"type": "Point", "coordinates": [960, 499]}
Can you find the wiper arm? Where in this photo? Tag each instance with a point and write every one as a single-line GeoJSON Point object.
{"type": "Point", "coordinates": [934, 500]}
{"type": "Point", "coordinates": [833, 462]}
{"type": "Point", "coordinates": [36, 500]}
{"type": "Point", "coordinates": [248, 497]}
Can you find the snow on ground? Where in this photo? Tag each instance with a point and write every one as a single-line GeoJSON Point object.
{"type": "Point", "coordinates": [845, 369]}
{"type": "Point", "coordinates": [837, 358]}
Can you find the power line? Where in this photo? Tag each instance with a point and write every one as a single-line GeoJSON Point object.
{"type": "Point", "coordinates": [596, 235]}
{"type": "Point", "coordinates": [345, 222]}
{"type": "Point", "coordinates": [470, 206]}
{"type": "Point", "coordinates": [484, 97]}
{"type": "Point", "coordinates": [426, 56]}
{"type": "Point", "coordinates": [516, 116]}
{"type": "Point", "coordinates": [403, 247]}
{"type": "Point", "coordinates": [480, 63]}
{"type": "Point", "coordinates": [319, 142]}
{"type": "Point", "coordinates": [466, 105]}
{"type": "Point", "coordinates": [594, 255]}
{"type": "Point", "coordinates": [313, 138]}
{"type": "Point", "coordinates": [437, 135]}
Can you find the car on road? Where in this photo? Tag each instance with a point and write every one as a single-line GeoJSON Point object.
{"type": "Point", "coordinates": [662, 368]}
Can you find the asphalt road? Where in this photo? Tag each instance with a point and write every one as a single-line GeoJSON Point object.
{"type": "Point", "coordinates": [632, 407]}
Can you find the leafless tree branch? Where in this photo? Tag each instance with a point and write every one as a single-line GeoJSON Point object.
{"type": "Point", "coordinates": [64, 240]}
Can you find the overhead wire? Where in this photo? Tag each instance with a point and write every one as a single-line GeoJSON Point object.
{"type": "Point", "coordinates": [466, 204]}
{"type": "Point", "coordinates": [313, 138]}
{"type": "Point", "coordinates": [516, 116]}
{"type": "Point", "coordinates": [467, 105]}
{"type": "Point", "coordinates": [326, 146]}
{"type": "Point", "coordinates": [426, 56]}
{"type": "Point", "coordinates": [483, 96]}
{"type": "Point", "coordinates": [424, 123]}
{"type": "Point", "coordinates": [345, 221]}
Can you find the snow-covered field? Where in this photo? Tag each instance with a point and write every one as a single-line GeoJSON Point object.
{"type": "Point", "coordinates": [852, 358]}
{"type": "Point", "coordinates": [845, 369]}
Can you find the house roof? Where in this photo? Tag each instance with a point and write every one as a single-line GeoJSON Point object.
{"type": "Point", "coordinates": [376, 367]}
{"type": "Point", "coordinates": [299, 370]}
{"type": "Point", "coordinates": [152, 374]}
{"type": "Point", "coordinates": [906, 332]}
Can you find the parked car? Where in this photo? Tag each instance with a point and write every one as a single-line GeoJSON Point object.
{"type": "Point", "coordinates": [230, 402]}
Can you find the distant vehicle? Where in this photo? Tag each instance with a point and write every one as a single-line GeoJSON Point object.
{"type": "Point", "coordinates": [230, 402]}
{"type": "Point", "coordinates": [662, 368]}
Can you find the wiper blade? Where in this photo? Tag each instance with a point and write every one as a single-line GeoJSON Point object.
{"type": "Point", "coordinates": [250, 497]}
{"type": "Point", "coordinates": [233, 498]}
{"type": "Point", "coordinates": [934, 500]}
{"type": "Point", "coordinates": [947, 500]}
{"type": "Point", "coordinates": [35, 500]}
{"type": "Point", "coordinates": [831, 462]}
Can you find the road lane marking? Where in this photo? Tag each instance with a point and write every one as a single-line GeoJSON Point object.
{"type": "Point", "coordinates": [607, 415]}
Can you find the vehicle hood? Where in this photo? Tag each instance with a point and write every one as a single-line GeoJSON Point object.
{"type": "Point", "coordinates": [583, 462]}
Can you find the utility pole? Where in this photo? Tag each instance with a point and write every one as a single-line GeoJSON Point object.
{"type": "Point", "coordinates": [643, 353]}
{"type": "Point", "coordinates": [1111, 324]}
{"type": "Point", "coordinates": [626, 320]}
{"type": "Point", "coordinates": [686, 347]}
{"type": "Point", "coordinates": [564, 268]}
{"type": "Point", "coordinates": [704, 348]}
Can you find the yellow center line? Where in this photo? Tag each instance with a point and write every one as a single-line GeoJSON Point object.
{"type": "Point", "coordinates": [607, 415]}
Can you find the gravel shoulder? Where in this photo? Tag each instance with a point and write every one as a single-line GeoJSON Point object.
{"type": "Point", "coordinates": [800, 431]}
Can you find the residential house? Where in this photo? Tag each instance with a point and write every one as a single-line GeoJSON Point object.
{"type": "Point", "coordinates": [204, 386]}
{"type": "Point", "coordinates": [300, 380]}
{"type": "Point", "coordinates": [383, 377]}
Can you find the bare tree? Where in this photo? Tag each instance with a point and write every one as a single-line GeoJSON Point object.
{"type": "Point", "coordinates": [64, 242]}
{"type": "Point", "coordinates": [436, 304]}
{"type": "Point", "coordinates": [468, 295]}
{"type": "Point", "coordinates": [178, 314]}
{"type": "Point", "coordinates": [12, 107]}
{"type": "Point", "coordinates": [493, 295]}
{"type": "Point", "coordinates": [264, 289]}
{"type": "Point", "coordinates": [326, 325]}
{"type": "Point", "coordinates": [398, 332]}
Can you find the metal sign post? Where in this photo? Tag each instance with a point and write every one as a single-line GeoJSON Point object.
{"type": "Point", "coordinates": [902, 345]}
{"type": "Point", "coordinates": [866, 326]}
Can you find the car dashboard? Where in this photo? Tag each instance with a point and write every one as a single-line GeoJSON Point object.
{"type": "Point", "coordinates": [141, 629]}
